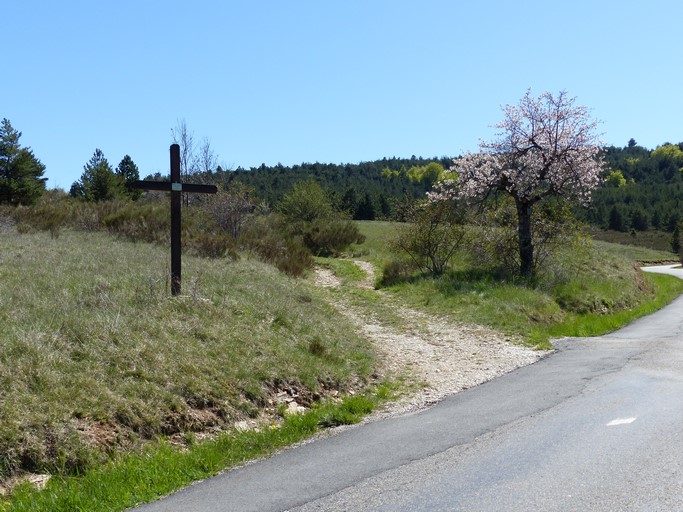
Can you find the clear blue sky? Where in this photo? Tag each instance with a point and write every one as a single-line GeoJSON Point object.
{"type": "Point", "coordinates": [323, 80]}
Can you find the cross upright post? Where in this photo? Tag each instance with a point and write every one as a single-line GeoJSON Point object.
{"type": "Point", "coordinates": [175, 187]}
{"type": "Point", "coordinates": [176, 245]}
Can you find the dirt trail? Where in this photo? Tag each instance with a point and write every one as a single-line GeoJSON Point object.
{"type": "Point", "coordinates": [440, 356]}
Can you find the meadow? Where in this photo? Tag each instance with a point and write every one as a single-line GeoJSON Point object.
{"type": "Point", "coordinates": [599, 286]}
{"type": "Point", "coordinates": [125, 393]}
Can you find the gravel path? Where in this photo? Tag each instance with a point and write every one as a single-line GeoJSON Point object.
{"type": "Point", "coordinates": [440, 356]}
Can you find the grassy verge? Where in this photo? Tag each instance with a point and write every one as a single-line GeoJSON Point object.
{"type": "Point", "coordinates": [96, 358]}
{"type": "Point", "coordinates": [162, 468]}
{"type": "Point", "coordinates": [590, 291]}
{"type": "Point", "coordinates": [666, 288]}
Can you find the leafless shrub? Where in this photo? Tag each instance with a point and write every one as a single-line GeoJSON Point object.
{"type": "Point", "coordinates": [230, 209]}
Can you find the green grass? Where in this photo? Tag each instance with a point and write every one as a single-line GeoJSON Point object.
{"type": "Point", "coordinates": [162, 468]}
{"type": "Point", "coordinates": [346, 270]}
{"type": "Point", "coordinates": [577, 288]}
{"type": "Point", "coordinates": [97, 358]}
{"type": "Point", "coordinates": [635, 252]}
{"type": "Point", "coordinates": [377, 237]}
{"type": "Point", "coordinates": [667, 288]}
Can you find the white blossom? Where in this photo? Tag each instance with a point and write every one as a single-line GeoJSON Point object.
{"type": "Point", "coordinates": [545, 146]}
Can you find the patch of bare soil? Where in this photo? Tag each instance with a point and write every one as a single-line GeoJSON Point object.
{"type": "Point", "coordinates": [325, 277]}
{"type": "Point", "coordinates": [440, 356]}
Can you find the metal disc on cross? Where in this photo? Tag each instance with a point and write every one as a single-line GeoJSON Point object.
{"type": "Point", "coordinates": [175, 187]}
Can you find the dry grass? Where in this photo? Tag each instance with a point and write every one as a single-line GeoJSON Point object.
{"type": "Point", "coordinates": [95, 355]}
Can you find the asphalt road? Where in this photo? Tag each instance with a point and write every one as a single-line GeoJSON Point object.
{"type": "Point", "coordinates": [598, 425]}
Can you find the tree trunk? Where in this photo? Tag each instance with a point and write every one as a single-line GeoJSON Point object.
{"type": "Point", "coordinates": [526, 248]}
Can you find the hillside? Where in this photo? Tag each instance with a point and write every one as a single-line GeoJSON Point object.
{"type": "Point", "coordinates": [99, 360]}
{"type": "Point", "coordinates": [97, 357]}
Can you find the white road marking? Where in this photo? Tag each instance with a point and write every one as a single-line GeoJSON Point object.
{"type": "Point", "coordinates": [621, 421]}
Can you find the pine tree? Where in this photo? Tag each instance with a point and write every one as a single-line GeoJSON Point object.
{"type": "Point", "coordinates": [676, 239]}
{"type": "Point", "coordinates": [616, 220]}
{"type": "Point", "coordinates": [366, 209]}
{"type": "Point", "coordinates": [129, 173]}
{"type": "Point", "coordinates": [98, 181]}
{"type": "Point", "coordinates": [21, 173]}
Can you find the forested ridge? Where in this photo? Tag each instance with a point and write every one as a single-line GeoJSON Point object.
{"type": "Point", "coordinates": [367, 190]}
{"type": "Point", "coordinates": [642, 188]}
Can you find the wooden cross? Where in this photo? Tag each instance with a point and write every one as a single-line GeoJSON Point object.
{"type": "Point", "coordinates": [175, 187]}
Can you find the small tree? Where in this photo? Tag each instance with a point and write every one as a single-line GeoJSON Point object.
{"type": "Point", "coordinates": [195, 159]}
{"type": "Point", "coordinates": [231, 208]}
{"type": "Point", "coordinates": [615, 179]}
{"type": "Point", "coordinates": [306, 202]}
{"type": "Point", "coordinates": [189, 160]}
{"type": "Point", "coordinates": [547, 147]}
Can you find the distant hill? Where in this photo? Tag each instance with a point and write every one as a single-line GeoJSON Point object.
{"type": "Point", "coordinates": [368, 190]}
{"type": "Point", "coordinates": [643, 189]}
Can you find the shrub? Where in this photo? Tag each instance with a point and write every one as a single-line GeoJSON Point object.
{"type": "Point", "coordinates": [213, 245]}
{"type": "Point", "coordinates": [268, 238]}
{"type": "Point", "coordinates": [50, 213]}
{"type": "Point", "coordinates": [329, 237]}
{"type": "Point", "coordinates": [433, 234]}
{"type": "Point", "coordinates": [395, 271]}
{"type": "Point", "coordinates": [143, 222]}
{"type": "Point", "coordinates": [230, 209]}
{"type": "Point", "coordinates": [307, 212]}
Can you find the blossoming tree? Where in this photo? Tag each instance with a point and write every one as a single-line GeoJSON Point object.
{"type": "Point", "coordinates": [547, 146]}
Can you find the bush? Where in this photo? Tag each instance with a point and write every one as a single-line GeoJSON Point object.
{"type": "Point", "coordinates": [432, 236]}
{"type": "Point", "coordinates": [328, 237]}
{"type": "Point", "coordinates": [214, 245]}
{"type": "Point", "coordinates": [307, 212]}
{"type": "Point", "coordinates": [146, 222]}
{"type": "Point", "coordinates": [50, 213]}
{"type": "Point", "coordinates": [395, 271]}
{"type": "Point", "coordinates": [230, 209]}
{"type": "Point", "coordinates": [270, 241]}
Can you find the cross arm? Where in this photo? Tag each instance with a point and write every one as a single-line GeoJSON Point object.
{"type": "Point", "coordinates": [167, 186]}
